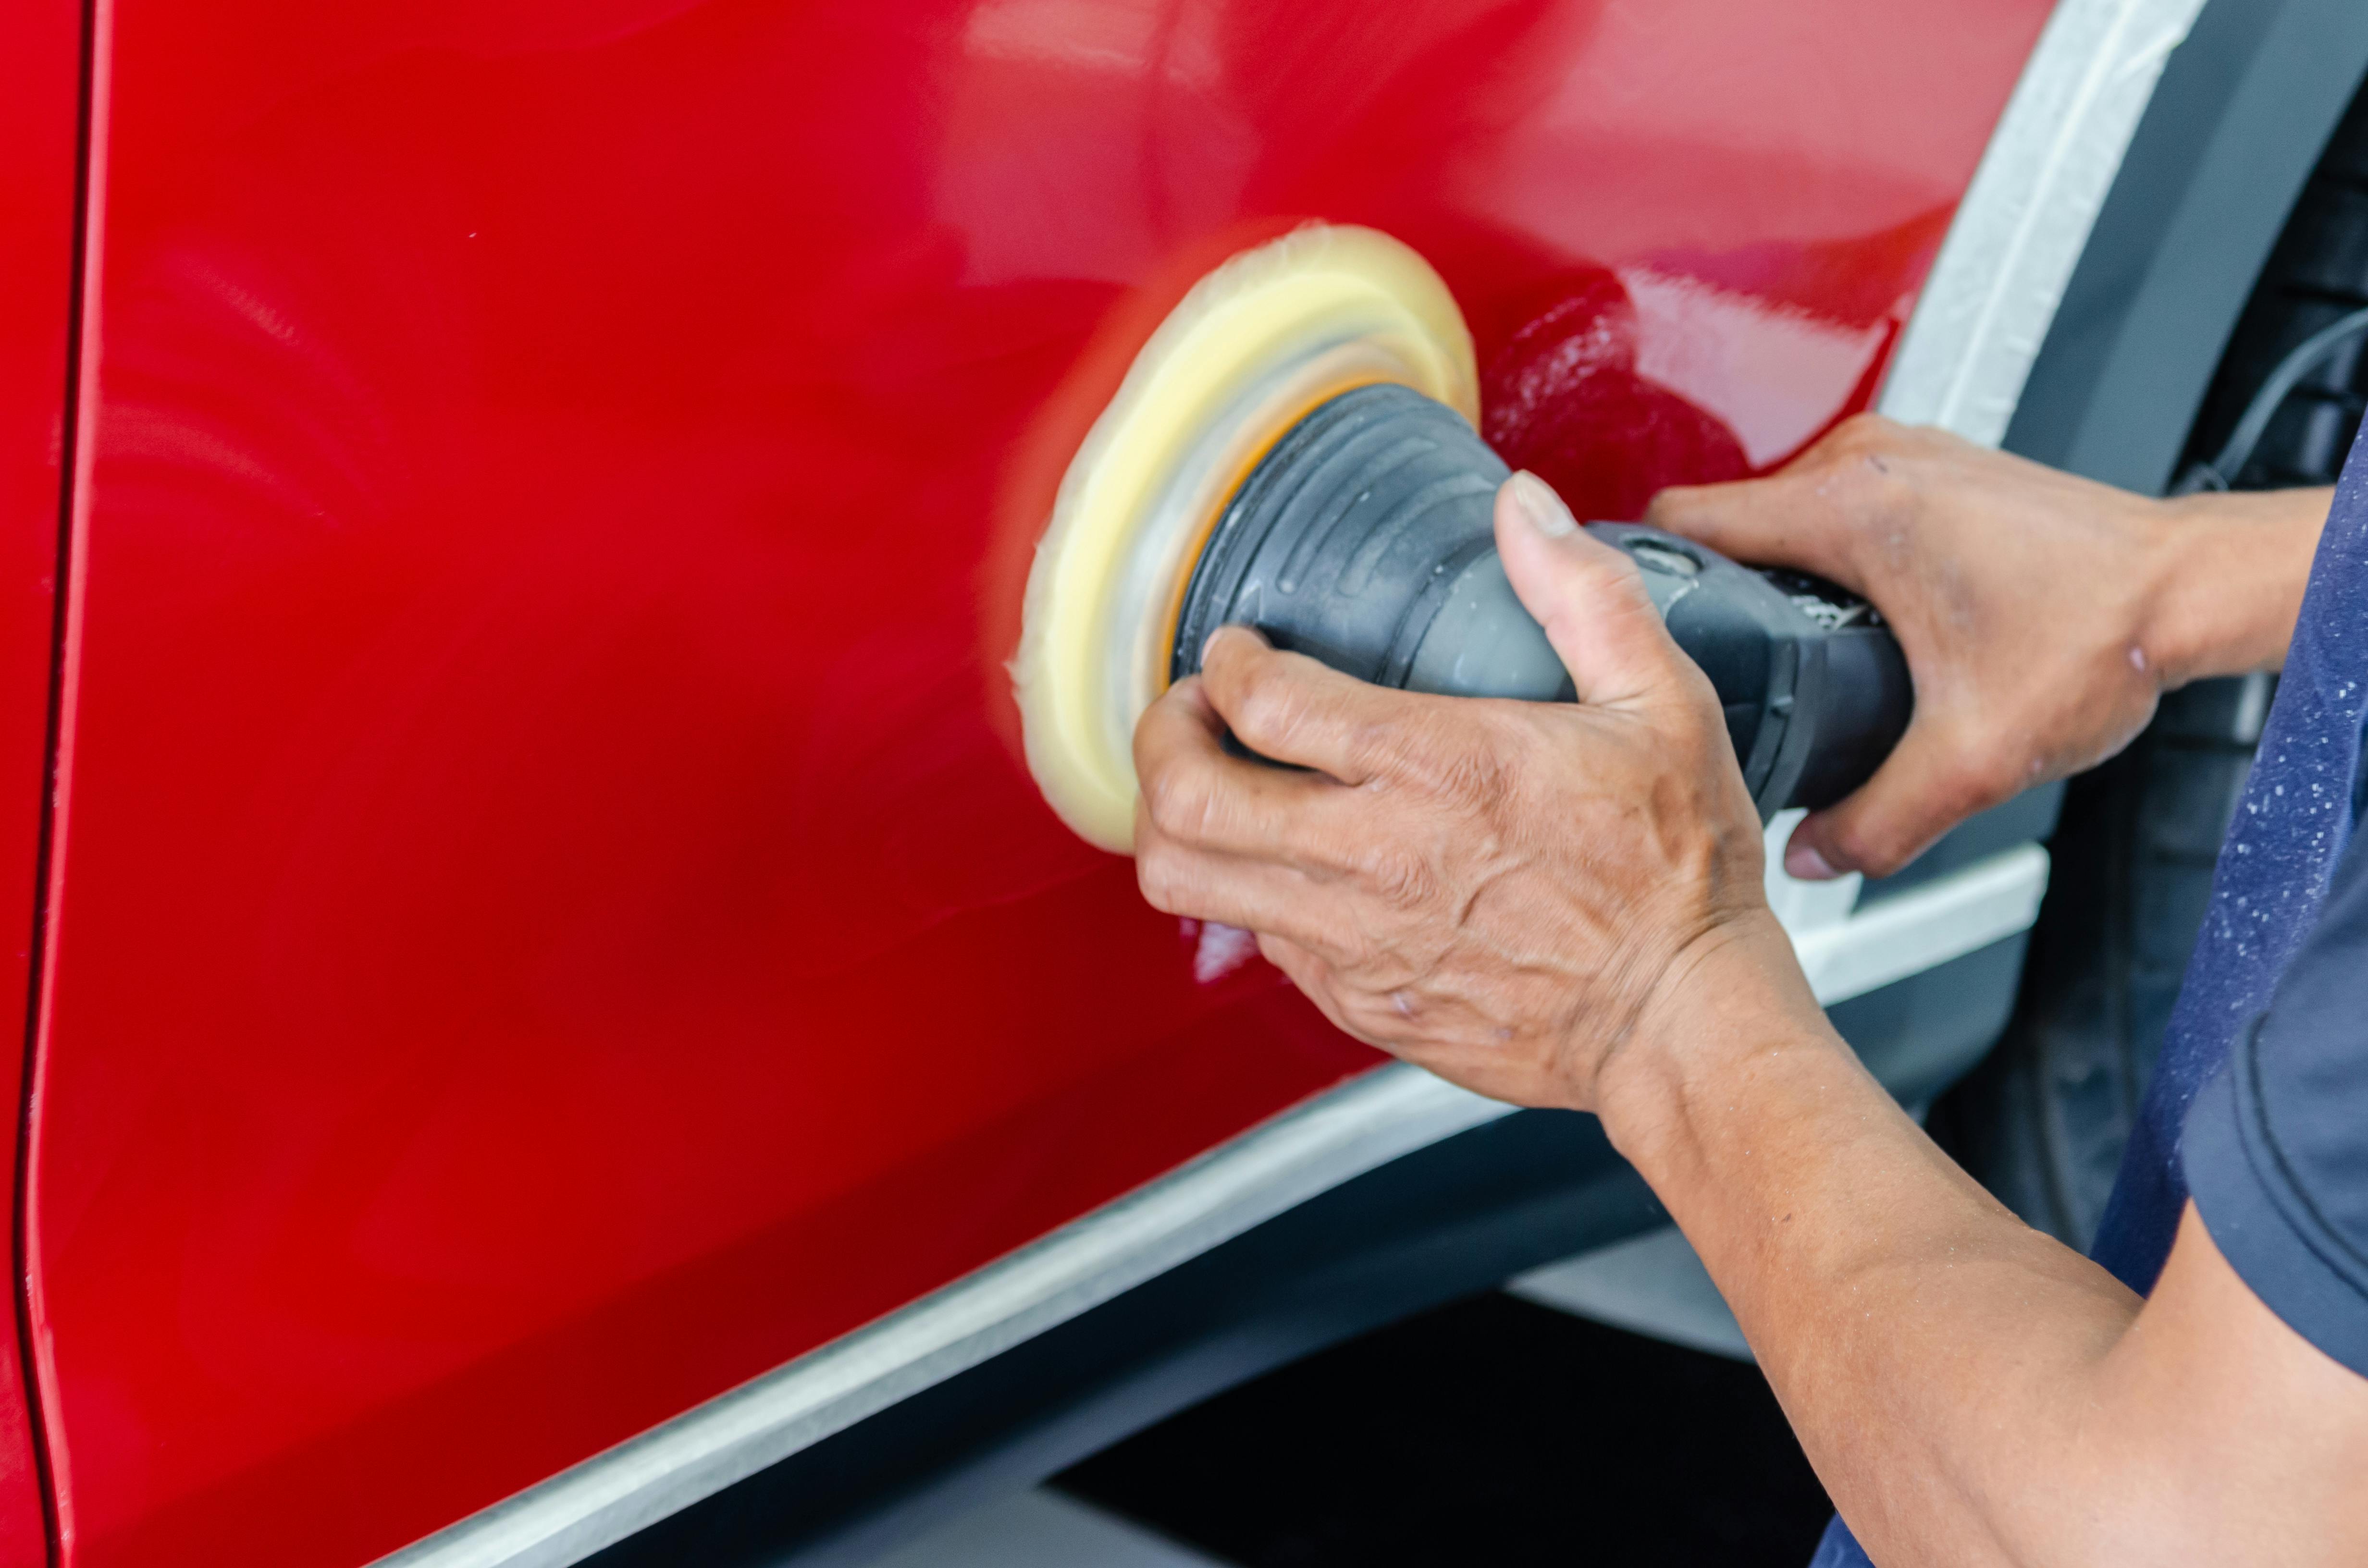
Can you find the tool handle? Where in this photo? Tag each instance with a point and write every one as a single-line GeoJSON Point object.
{"type": "Point", "coordinates": [1813, 684]}
{"type": "Point", "coordinates": [1364, 539]}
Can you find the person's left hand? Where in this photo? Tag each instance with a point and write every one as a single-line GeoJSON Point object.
{"type": "Point", "coordinates": [1505, 892]}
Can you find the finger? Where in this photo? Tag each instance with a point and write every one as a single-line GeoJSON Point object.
{"type": "Point", "coordinates": [1312, 973]}
{"type": "Point", "coordinates": [1290, 708]}
{"type": "Point", "coordinates": [1922, 789]}
{"type": "Point", "coordinates": [1767, 522]}
{"type": "Point", "coordinates": [1587, 595]}
{"type": "Point", "coordinates": [1247, 894]}
{"type": "Point", "coordinates": [1801, 518]}
{"type": "Point", "coordinates": [1305, 970]}
{"type": "Point", "coordinates": [1197, 793]}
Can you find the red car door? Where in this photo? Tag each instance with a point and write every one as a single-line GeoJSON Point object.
{"type": "Point", "coordinates": [40, 88]}
{"type": "Point", "coordinates": [551, 919]}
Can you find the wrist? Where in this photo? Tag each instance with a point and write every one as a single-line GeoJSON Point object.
{"type": "Point", "coordinates": [2225, 582]}
{"type": "Point", "coordinates": [1727, 1004]}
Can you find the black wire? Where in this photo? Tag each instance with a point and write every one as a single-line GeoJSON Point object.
{"type": "Point", "coordinates": [2221, 472]}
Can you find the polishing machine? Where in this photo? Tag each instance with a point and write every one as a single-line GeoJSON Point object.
{"type": "Point", "coordinates": [1293, 449]}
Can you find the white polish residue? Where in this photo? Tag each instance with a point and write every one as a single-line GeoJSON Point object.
{"type": "Point", "coordinates": [1220, 950]}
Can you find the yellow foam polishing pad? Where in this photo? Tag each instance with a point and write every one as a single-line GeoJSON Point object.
{"type": "Point", "coordinates": [1252, 348]}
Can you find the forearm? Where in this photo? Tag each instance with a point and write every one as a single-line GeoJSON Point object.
{"type": "Point", "coordinates": [1971, 1391]}
{"type": "Point", "coordinates": [2229, 581]}
{"type": "Point", "coordinates": [1935, 1354]}
{"type": "Point", "coordinates": [1560, 903]}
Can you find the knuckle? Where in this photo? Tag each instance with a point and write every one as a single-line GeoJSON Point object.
{"type": "Point", "coordinates": [1354, 952]}
{"type": "Point", "coordinates": [1987, 781]}
{"type": "Point", "coordinates": [1619, 591]}
{"type": "Point", "coordinates": [1373, 1019]}
{"type": "Point", "coordinates": [1862, 430]}
{"type": "Point", "coordinates": [1478, 774]}
{"type": "Point", "coordinates": [1381, 745]}
{"type": "Point", "coordinates": [1461, 759]}
{"type": "Point", "coordinates": [1176, 798]}
{"type": "Point", "coordinates": [1610, 571]}
{"type": "Point", "coordinates": [1860, 461]}
{"type": "Point", "coordinates": [1386, 747]}
{"type": "Point", "coordinates": [1857, 850]}
{"type": "Point", "coordinates": [1876, 848]}
{"type": "Point", "coordinates": [1864, 435]}
{"type": "Point", "coordinates": [1225, 654]}
{"type": "Point", "coordinates": [1399, 877]}
{"type": "Point", "coordinates": [1887, 861]}
{"type": "Point", "coordinates": [1160, 874]}
{"type": "Point", "coordinates": [1987, 768]}
{"type": "Point", "coordinates": [1265, 712]}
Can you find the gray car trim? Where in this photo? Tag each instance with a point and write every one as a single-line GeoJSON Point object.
{"type": "Point", "coordinates": [2237, 124]}
{"type": "Point", "coordinates": [1962, 362]}
{"type": "Point", "coordinates": [1366, 1122]}
{"type": "Point", "coordinates": [2027, 215]}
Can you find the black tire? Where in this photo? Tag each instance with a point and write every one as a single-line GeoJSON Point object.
{"type": "Point", "coordinates": [2042, 1121]}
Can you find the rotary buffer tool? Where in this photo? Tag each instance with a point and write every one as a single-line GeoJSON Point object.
{"type": "Point", "coordinates": [1293, 449]}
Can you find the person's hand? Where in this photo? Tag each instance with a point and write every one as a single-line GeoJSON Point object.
{"type": "Point", "coordinates": [1505, 892]}
{"type": "Point", "coordinates": [2027, 601]}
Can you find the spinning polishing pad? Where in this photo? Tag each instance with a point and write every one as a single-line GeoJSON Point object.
{"type": "Point", "coordinates": [1255, 346]}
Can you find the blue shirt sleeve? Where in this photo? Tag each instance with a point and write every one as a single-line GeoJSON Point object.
{"type": "Point", "coordinates": [2275, 1147]}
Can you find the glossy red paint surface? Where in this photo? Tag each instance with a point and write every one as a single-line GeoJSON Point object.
{"type": "Point", "coordinates": [553, 921]}
{"type": "Point", "coordinates": [40, 47]}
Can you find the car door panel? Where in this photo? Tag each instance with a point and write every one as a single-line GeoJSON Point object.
{"type": "Point", "coordinates": [554, 920]}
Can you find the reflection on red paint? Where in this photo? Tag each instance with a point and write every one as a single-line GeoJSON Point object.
{"type": "Point", "coordinates": [554, 922]}
{"type": "Point", "coordinates": [1562, 399]}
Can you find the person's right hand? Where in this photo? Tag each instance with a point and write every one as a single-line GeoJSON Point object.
{"type": "Point", "coordinates": [2040, 615]}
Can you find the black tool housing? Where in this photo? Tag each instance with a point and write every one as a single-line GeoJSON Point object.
{"type": "Point", "coordinates": [1364, 539]}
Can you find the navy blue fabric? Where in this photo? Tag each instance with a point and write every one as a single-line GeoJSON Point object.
{"type": "Point", "coordinates": [2297, 1228]}
{"type": "Point", "coordinates": [2296, 815]}
{"type": "Point", "coordinates": [2274, 1150]}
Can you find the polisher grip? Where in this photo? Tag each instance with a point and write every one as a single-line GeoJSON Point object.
{"type": "Point", "coordinates": [1364, 539]}
{"type": "Point", "coordinates": [1813, 685]}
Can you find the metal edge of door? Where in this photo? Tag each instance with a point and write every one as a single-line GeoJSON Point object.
{"type": "Point", "coordinates": [1975, 331]}
{"type": "Point", "coordinates": [47, 250]}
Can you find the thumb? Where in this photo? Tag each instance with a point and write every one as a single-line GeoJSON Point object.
{"type": "Point", "coordinates": [1921, 790]}
{"type": "Point", "coordinates": [1586, 594]}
